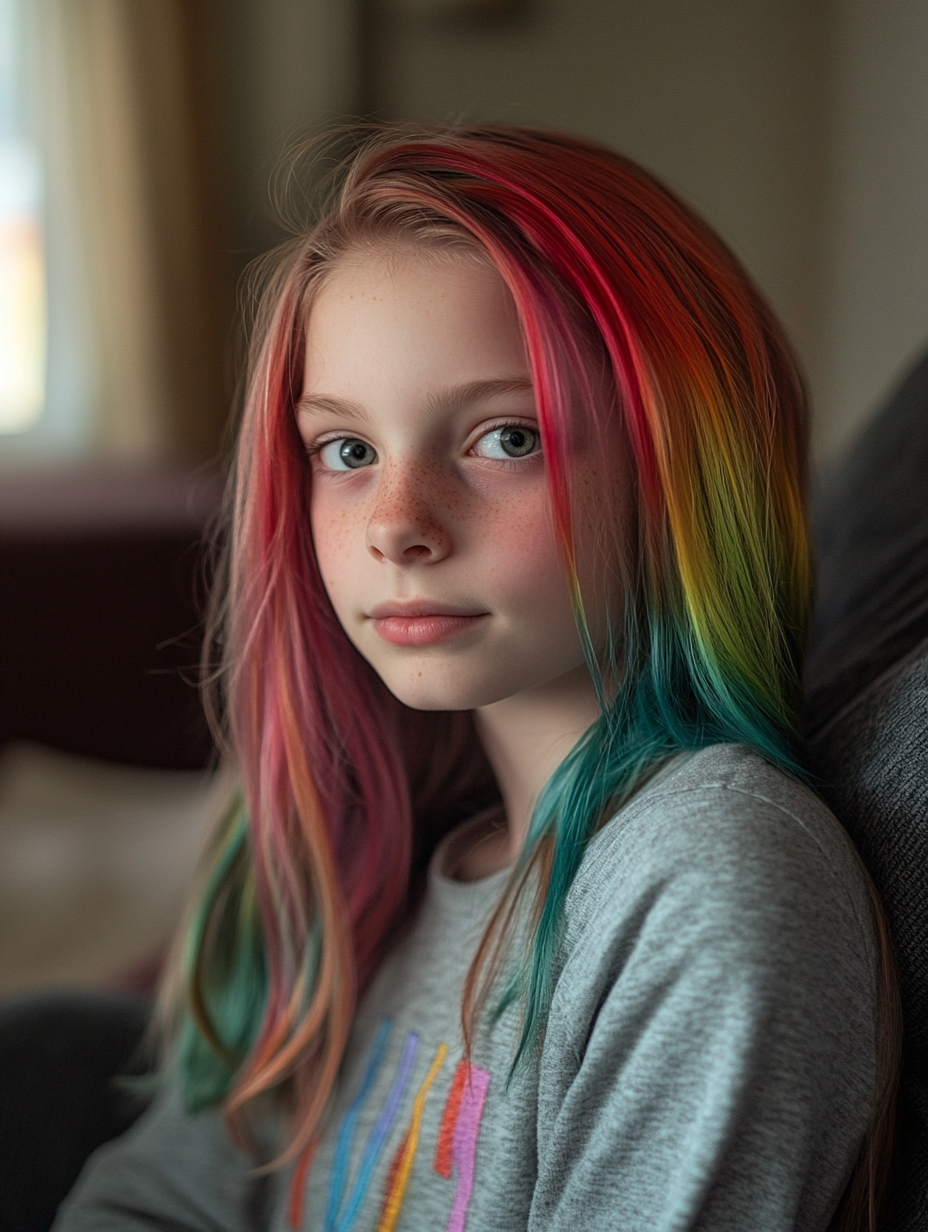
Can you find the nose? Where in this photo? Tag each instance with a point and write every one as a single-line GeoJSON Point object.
{"type": "Point", "coordinates": [405, 527]}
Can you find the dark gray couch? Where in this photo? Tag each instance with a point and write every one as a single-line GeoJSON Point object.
{"type": "Point", "coordinates": [867, 716]}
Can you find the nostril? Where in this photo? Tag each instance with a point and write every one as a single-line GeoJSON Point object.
{"type": "Point", "coordinates": [409, 535]}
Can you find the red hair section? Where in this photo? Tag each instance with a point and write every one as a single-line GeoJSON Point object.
{"type": "Point", "coordinates": [638, 322]}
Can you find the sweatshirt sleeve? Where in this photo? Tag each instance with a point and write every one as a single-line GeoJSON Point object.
{"type": "Point", "coordinates": [172, 1172]}
{"type": "Point", "coordinates": [709, 1058]}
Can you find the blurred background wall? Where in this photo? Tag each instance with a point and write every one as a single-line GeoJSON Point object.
{"type": "Point", "coordinates": [875, 312]}
{"type": "Point", "coordinates": [798, 127]}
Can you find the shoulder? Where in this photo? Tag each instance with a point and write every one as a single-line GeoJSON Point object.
{"type": "Point", "coordinates": [173, 1169]}
{"type": "Point", "coordinates": [729, 818]}
{"type": "Point", "coordinates": [726, 859]}
{"type": "Point", "coordinates": [716, 970]}
{"type": "Point", "coordinates": [736, 792]}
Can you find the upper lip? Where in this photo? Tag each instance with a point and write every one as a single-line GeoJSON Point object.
{"type": "Point", "coordinates": [410, 608]}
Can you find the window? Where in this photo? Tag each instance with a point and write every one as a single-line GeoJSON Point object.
{"type": "Point", "coordinates": [23, 316]}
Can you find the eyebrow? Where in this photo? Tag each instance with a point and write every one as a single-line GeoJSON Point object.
{"type": "Point", "coordinates": [446, 399]}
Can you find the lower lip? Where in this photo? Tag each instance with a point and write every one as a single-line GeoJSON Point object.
{"type": "Point", "coordinates": [423, 630]}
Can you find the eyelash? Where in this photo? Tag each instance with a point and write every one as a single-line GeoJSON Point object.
{"type": "Point", "coordinates": [317, 446]}
{"type": "Point", "coordinates": [513, 423]}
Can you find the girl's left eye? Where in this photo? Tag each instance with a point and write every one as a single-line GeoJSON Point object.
{"type": "Point", "coordinates": [507, 442]}
{"type": "Point", "coordinates": [347, 453]}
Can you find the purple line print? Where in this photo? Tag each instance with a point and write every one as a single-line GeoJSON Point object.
{"type": "Point", "coordinates": [464, 1144]}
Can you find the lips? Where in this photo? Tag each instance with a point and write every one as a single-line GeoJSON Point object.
{"type": "Point", "coordinates": [422, 622]}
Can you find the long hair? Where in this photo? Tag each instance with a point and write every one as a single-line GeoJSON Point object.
{"type": "Point", "coordinates": [638, 321]}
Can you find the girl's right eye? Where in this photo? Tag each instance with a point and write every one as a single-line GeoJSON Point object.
{"type": "Point", "coordinates": [348, 453]}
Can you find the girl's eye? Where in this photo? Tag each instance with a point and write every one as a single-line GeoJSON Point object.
{"type": "Point", "coordinates": [511, 441]}
{"type": "Point", "coordinates": [348, 453]}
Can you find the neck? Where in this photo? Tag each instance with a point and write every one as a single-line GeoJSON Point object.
{"type": "Point", "coordinates": [526, 737]}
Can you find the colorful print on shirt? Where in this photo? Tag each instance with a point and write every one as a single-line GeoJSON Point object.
{"type": "Point", "coordinates": [455, 1151]}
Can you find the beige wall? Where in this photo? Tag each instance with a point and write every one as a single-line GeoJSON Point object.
{"type": "Point", "coordinates": [876, 307]}
{"type": "Point", "coordinates": [798, 127]}
{"type": "Point", "coordinates": [291, 64]}
{"type": "Point", "coordinates": [724, 99]}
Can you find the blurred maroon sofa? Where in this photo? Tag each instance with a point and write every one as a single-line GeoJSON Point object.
{"type": "Point", "coordinates": [102, 589]}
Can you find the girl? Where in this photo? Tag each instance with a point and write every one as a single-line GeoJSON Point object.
{"type": "Point", "coordinates": [518, 567]}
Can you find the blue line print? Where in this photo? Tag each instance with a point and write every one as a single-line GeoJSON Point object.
{"type": "Point", "coordinates": [379, 1133]}
{"type": "Point", "coordinates": [346, 1130]}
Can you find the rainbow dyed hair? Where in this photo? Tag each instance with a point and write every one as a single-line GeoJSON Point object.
{"type": "Point", "coordinates": [640, 326]}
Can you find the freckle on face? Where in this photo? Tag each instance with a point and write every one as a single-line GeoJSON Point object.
{"type": "Point", "coordinates": [431, 521]}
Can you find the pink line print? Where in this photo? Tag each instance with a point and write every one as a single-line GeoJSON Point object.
{"type": "Point", "coordinates": [464, 1144]}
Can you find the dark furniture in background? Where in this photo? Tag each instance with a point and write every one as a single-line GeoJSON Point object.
{"type": "Point", "coordinates": [102, 573]}
{"type": "Point", "coordinates": [101, 599]}
{"type": "Point", "coordinates": [59, 1052]}
{"type": "Point", "coordinates": [867, 716]}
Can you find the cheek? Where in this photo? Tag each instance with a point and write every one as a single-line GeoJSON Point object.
{"type": "Point", "coordinates": [524, 560]}
{"type": "Point", "coordinates": [335, 531]}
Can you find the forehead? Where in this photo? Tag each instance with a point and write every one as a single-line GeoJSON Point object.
{"type": "Point", "coordinates": [410, 318]}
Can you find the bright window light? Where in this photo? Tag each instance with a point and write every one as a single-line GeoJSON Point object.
{"type": "Point", "coordinates": [22, 291]}
{"type": "Point", "coordinates": [23, 316]}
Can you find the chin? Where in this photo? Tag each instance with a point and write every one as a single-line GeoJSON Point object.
{"type": "Point", "coordinates": [425, 698]}
{"type": "Point", "coordinates": [429, 692]}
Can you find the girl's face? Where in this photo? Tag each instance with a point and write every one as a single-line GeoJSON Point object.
{"type": "Point", "coordinates": [429, 504]}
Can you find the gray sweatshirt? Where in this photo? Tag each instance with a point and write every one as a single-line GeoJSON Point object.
{"type": "Point", "coordinates": [708, 1061]}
